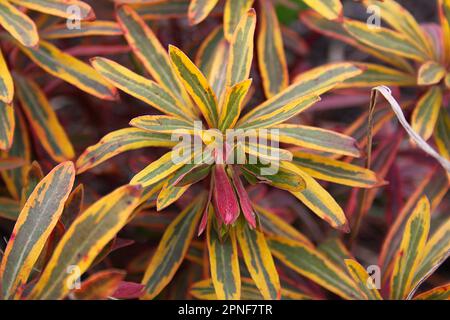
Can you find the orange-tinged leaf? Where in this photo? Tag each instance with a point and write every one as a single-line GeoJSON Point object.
{"type": "Point", "coordinates": [444, 18]}
{"type": "Point", "coordinates": [402, 21]}
{"type": "Point", "coordinates": [43, 119]}
{"type": "Point", "coordinates": [426, 112]}
{"type": "Point", "coordinates": [241, 49]}
{"type": "Point", "coordinates": [311, 263]}
{"type": "Point", "coordinates": [34, 225]}
{"type": "Point", "coordinates": [100, 285]}
{"type": "Point", "coordinates": [271, 56]}
{"type": "Point", "coordinates": [196, 84]}
{"type": "Point", "coordinates": [199, 10]}
{"type": "Point", "coordinates": [430, 73]}
{"type": "Point", "coordinates": [259, 261]}
{"type": "Point", "coordinates": [224, 263]}
{"type": "Point", "coordinates": [61, 8]}
{"type": "Point", "coordinates": [439, 293]}
{"type": "Point", "coordinates": [172, 248]}
{"type": "Point", "coordinates": [411, 250]}
{"type": "Point", "coordinates": [18, 24]}
{"type": "Point", "coordinates": [151, 53]}
{"type": "Point", "coordinates": [87, 29]}
{"type": "Point", "coordinates": [70, 69]}
{"type": "Point", "coordinates": [385, 39]}
{"type": "Point", "coordinates": [6, 83]}
{"type": "Point", "coordinates": [120, 141]}
{"type": "Point", "coordinates": [330, 9]}
{"type": "Point", "coordinates": [141, 88]}
{"type": "Point", "coordinates": [84, 240]}
{"type": "Point", "coordinates": [365, 282]}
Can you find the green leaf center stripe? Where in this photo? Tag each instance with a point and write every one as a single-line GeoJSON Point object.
{"type": "Point", "coordinates": [173, 249]}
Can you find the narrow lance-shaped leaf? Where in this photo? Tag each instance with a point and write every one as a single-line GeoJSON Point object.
{"type": "Point", "coordinates": [224, 264]}
{"type": "Point", "coordinates": [162, 124]}
{"type": "Point", "coordinates": [87, 29]}
{"type": "Point", "coordinates": [70, 69]}
{"type": "Point", "coordinates": [7, 125]}
{"type": "Point", "coordinates": [330, 9]}
{"type": "Point", "coordinates": [271, 56]}
{"type": "Point", "coordinates": [365, 282]}
{"type": "Point", "coordinates": [232, 104]}
{"type": "Point", "coordinates": [100, 285]}
{"type": "Point", "coordinates": [313, 82]}
{"type": "Point", "coordinates": [439, 293]}
{"type": "Point", "coordinates": [141, 88]}
{"type": "Point", "coordinates": [317, 139]}
{"type": "Point", "coordinates": [442, 133]}
{"type": "Point", "coordinates": [411, 250]}
{"type": "Point", "coordinates": [151, 53]}
{"type": "Point", "coordinates": [316, 198]}
{"type": "Point", "coordinates": [426, 112]}
{"type": "Point", "coordinates": [336, 171]}
{"type": "Point", "coordinates": [435, 253]}
{"type": "Point", "coordinates": [430, 73]}
{"type": "Point", "coordinates": [43, 119]}
{"type": "Point", "coordinates": [18, 24]}
{"type": "Point", "coordinates": [205, 55]}
{"type": "Point", "coordinates": [444, 18]}
{"type": "Point", "coordinates": [120, 141]}
{"type": "Point", "coordinates": [384, 39]}
{"type": "Point", "coordinates": [9, 209]}
{"type": "Point", "coordinates": [61, 8]}
{"type": "Point", "coordinates": [315, 266]}
{"type": "Point", "coordinates": [259, 261]}
{"type": "Point", "coordinates": [6, 82]}
{"type": "Point", "coordinates": [34, 225]}
{"type": "Point", "coordinates": [241, 49]}
{"type": "Point", "coordinates": [163, 10]}
{"type": "Point", "coordinates": [225, 199]}
{"type": "Point", "coordinates": [196, 84]}
{"type": "Point", "coordinates": [199, 10]}
{"type": "Point", "coordinates": [402, 21]}
{"type": "Point", "coordinates": [34, 175]}
{"type": "Point", "coordinates": [172, 248]}
{"type": "Point", "coordinates": [84, 240]}
{"type": "Point", "coordinates": [232, 13]}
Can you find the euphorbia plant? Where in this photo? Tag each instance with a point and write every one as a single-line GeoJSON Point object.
{"type": "Point", "coordinates": [419, 56]}
{"type": "Point", "coordinates": [178, 80]}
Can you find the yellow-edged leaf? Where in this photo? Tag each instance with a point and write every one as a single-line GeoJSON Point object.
{"type": "Point", "coordinates": [411, 250]}
{"type": "Point", "coordinates": [317, 139]}
{"type": "Point", "coordinates": [43, 119]}
{"type": "Point", "coordinates": [336, 171]}
{"type": "Point", "coordinates": [84, 240]}
{"type": "Point", "coordinates": [241, 49]}
{"type": "Point", "coordinates": [162, 124]}
{"type": "Point", "coordinates": [312, 264]}
{"type": "Point", "coordinates": [196, 84]}
{"type": "Point", "coordinates": [224, 263]}
{"type": "Point", "coordinates": [18, 24]}
{"type": "Point", "coordinates": [365, 282]}
{"type": "Point", "coordinates": [402, 21]}
{"type": "Point", "coordinates": [318, 200]}
{"type": "Point", "coordinates": [99, 286]}
{"type": "Point", "coordinates": [70, 69]}
{"type": "Point", "coordinates": [442, 133]}
{"type": "Point", "coordinates": [61, 8]}
{"type": "Point", "coordinates": [232, 104]}
{"type": "Point", "coordinates": [430, 73]}
{"type": "Point", "coordinates": [330, 9]}
{"type": "Point", "coordinates": [439, 293]}
{"type": "Point", "coordinates": [141, 88]}
{"type": "Point", "coordinates": [444, 18]}
{"type": "Point", "coordinates": [163, 10]}
{"type": "Point", "coordinates": [120, 141]}
{"type": "Point", "coordinates": [7, 125]}
{"type": "Point", "coordinates": [172, 248]}
{"type": "Point", "coordinates": [87, 29]}
{"type": "Point", "coordinates": [204, 58]}
{"type": "Point", "coordinates": [271, 56]}
{"type": "Point", "coordinates": [232, 13]}
{"type": "Point", "coordinates": [259, 261]}
{"type": "Point", "coordinates": [385, 39]}
{"type": "Point", "coordinates": [313, 82]}
{"type": "Point", "coordinates": [34, 225]}
{"type": "Point", "coordinates": [151, 53]}
{"type": "Point", "coordinates": [199, 10]}
{"type": "Point", "coordinates": [426, 112]}
{"type": "Point", "coordinates": [6, 82]}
